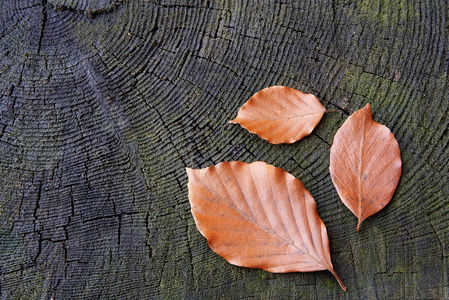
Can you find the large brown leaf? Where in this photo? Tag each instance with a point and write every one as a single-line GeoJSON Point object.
{"type": "Point", "coordinates": [365, 164]}
{"type": "Point", "coordinates": [259, 216]}
{"type": "Point", "coordinates": [280, 114]}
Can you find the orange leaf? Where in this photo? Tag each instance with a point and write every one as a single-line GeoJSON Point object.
{"type": "Point", "coordinates": [365, 164]}
{"type": "Point", "coordinates": [280, 114]}
{"type": "Point", "coordinates": [259, 216]}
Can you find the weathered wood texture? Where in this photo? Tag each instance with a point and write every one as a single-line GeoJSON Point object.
{"type": "Point", "coordinates": [104, 103]}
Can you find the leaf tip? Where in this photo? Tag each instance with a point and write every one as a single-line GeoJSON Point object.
{"type": "Point", "coordinates": [189, 171]}
{"type": "Point", "coordinates": [367, 107]}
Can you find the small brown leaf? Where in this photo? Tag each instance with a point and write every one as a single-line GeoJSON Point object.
{"type": "Point", "coordinates": [259, 216]}
{"type": "Point", "coordinates": [365, 164]}
{"type": "Point", "coordinates": [280, 114]}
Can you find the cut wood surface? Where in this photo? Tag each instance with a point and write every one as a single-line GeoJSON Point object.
{"type": "Point", "coordinates": [105, 103]}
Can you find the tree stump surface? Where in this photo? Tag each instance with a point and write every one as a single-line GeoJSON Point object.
{"type": "Point", "coordinates": [105, 103]}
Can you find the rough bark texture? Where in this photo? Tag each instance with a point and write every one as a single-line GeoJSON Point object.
{"type": "Point", "coordinates": [104, 104]}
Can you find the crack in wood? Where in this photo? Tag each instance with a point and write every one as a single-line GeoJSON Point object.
{"type": "Point", "coordinates": [91, 13]}
{"type": "Point", "coordinates": [43, 24]}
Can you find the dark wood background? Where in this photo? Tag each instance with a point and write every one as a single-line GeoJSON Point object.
{"type": "Point", "coordinates": [104, 103]}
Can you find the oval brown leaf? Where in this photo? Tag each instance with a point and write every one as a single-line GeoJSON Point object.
{"type": "Point", "coordinates": [365, 164]}
{"type": "Point", "coordinates": [259, 216]}
{"type": "Point", "coordinates": [280, 114]}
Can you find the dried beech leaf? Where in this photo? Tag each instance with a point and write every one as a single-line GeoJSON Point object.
{"type": "Point", "coordinates": [365, 164]}
{"type": "Point", "coordinates": [259, 216]}
{"type": "Point", "coordinates": [280, 114]}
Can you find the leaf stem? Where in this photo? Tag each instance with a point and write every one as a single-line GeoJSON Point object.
{"type": "Point", "coordinates": [342, 285]}
{"type": "Point", "coordinates": [358, 224]}
{"type": "Point", "coordinates": [329, 110]}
